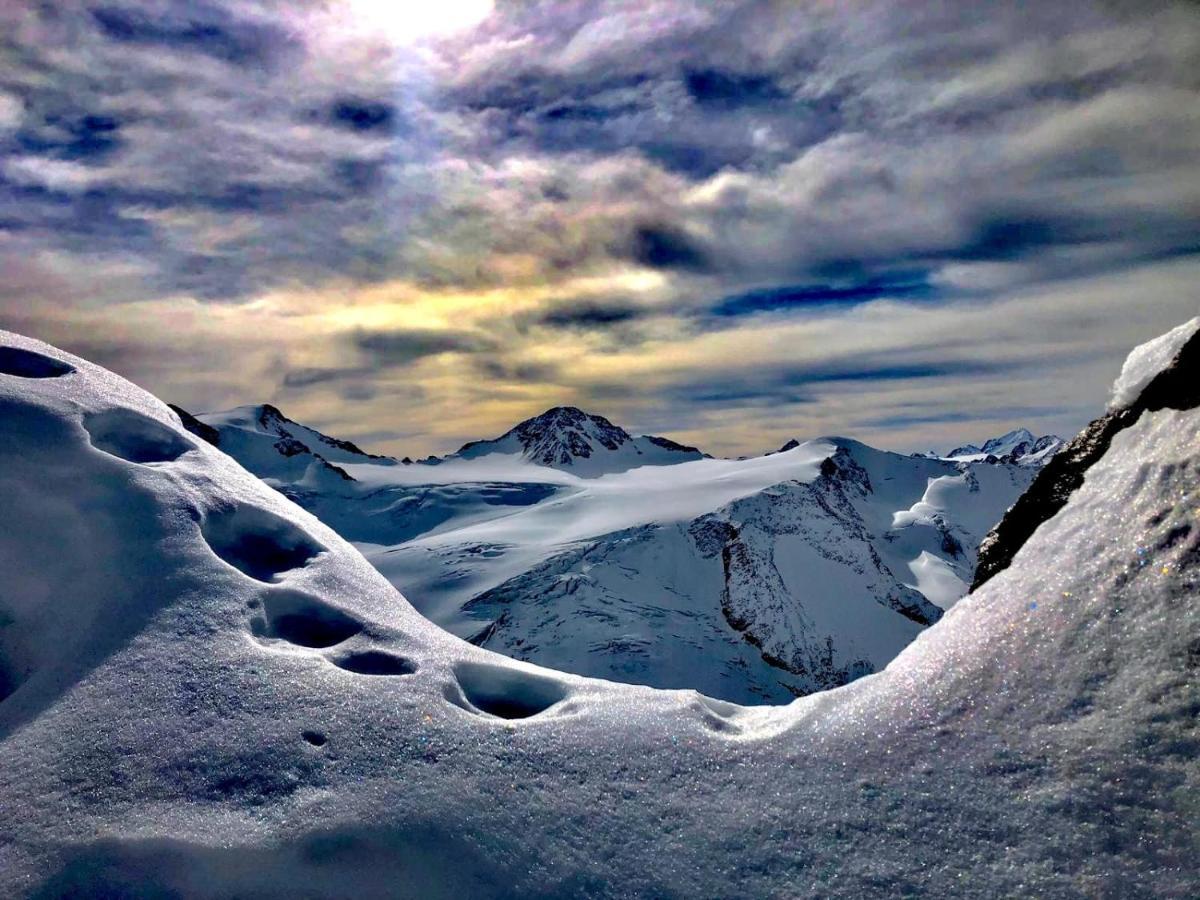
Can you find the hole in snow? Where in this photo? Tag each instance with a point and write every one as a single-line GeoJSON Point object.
{"type": "Point", "coordinates": [258, 543]}
{"type": "Point", "coordinates": [717, 715]}
{"type": "Point", "coordinates": [316, 738]}
{"type": "Point", "coordinates": [27, 364]}
{"type": "Point", "coordinates": [131, 436]}
{"type": "Point", "coordinates": [305, 620]}
{"type": "Point", "coordinates": [375, 662]}
{"type": "Point", "coordinates": [507, 693]}
{"type": "Point", "coordinates": [719, 708]}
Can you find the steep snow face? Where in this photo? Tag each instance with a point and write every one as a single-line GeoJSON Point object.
{"type": "Point", "coordinates": [209, 694]}
{"type": "Point", "coordinates": [568, 438]}
{"type": "Point", "coordinates": [1170, 382]}
{"type": "Point", "coordinates": [1147, 360]}
{"type": "Point", "coordinates": [774, 595]}
{"type": "Point", "coordinates": [281, 451]}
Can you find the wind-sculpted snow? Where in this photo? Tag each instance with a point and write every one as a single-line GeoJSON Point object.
{"type": "Point", "coordinates": [1040, 740]}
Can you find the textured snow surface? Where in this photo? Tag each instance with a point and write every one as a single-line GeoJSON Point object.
{"type": "Point", "coordinates": [209, 694]}
{"type": "Point", "coordinates": [1148, 360]}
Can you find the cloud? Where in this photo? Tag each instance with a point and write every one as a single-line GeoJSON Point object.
{"type": "Point", "coordinates": [747, 220]}
{"type": "Point", "coordinates": [787, 297]}
{"type": "Point", "coordinates": [200, 27]}
{"type": "Point", "coordinates": [589, 314]}
{"type": "Point", "coordinates": [403, 346]}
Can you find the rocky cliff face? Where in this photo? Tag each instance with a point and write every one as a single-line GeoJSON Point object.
{"type": "Point", "coordinates": [1177, 386]}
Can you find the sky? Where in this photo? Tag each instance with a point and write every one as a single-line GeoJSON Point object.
{"type": "Point", "coordinates": [731, 223]}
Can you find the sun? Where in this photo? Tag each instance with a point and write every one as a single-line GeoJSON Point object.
{"type": "Point", "coordinates": [409, 21]}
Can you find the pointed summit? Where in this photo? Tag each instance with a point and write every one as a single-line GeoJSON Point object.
{"type": "Point", "coordinates": [566, 437]}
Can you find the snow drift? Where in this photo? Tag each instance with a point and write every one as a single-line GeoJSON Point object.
{"type": "Point", "coordinates": [207, 693]}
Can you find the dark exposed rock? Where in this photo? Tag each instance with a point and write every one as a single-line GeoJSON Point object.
{"type": "Point", "coordinates": [196, 427]}
{"type": "Point", "coordinates": [272, 418]}
{"type": "Point", "coordinates": [289, 446]}
{"type": "Point", "coordinates": [1175, 387]}
{"type": "Point", "coordinates": [668, 444]}
{"type": "Point", "coordinates": [337, 470]}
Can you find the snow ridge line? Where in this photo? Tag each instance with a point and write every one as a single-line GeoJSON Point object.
{"type": "Point", "coordinates": [1175, 387]}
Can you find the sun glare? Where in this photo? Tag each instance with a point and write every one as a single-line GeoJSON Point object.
{"type": "Point", "coordinates": [406, 22]}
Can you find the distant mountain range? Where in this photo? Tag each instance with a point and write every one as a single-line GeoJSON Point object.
{"type": "Point", "coordinates": [1018, 447]}
{"type": "Point", "coordinates": [569, 542]}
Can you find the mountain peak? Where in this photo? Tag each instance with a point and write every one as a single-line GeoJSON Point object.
{"type": "Point", "coordinates": [1018, 446]}
{"type": "Point", "coordinates": [266, 424]}
{"type": "Point", "coordinates": [1007, 441]}
{"type": "Point", "coordinates": [569, 438]}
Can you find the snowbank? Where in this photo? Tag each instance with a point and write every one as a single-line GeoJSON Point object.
{"type": "Point", "coordinates": [1147, 360]}
{"type": "Point", "coordinates": [207, 693]}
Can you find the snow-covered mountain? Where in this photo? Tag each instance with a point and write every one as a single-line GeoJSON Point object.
{"type": "Point", "coordinates": [570, 439]}
{"type": "Point", "coordinates": [1017, 447]}
{"type": "Point", "coordinates": [753, 580]}
{"type": "Point", "coordinates": [207, 693]}
{"type": "Point", "coordinates": [820, 576]}
{"type": "Point", "coordinates": [274, 447]}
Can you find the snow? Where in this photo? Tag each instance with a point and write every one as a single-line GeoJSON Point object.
{"type": "Point", "coordinates": [1018, 447]}
{"type": "Point", "coordinates": [1148, 360]}
{"type": "Point", "coordinates": [1038, 741]}
{"type": "Point", "coordinates": [619, 575]}
{"type": "Point", "coordinates": [937, 580]}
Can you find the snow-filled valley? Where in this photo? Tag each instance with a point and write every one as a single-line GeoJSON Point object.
{"type": "Point", "coordinates": [752, 580]}
{"type": "Point", "coordinates": [206, 692]}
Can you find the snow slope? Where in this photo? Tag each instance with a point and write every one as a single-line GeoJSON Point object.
{"type": "Point", "coordinates": [753, 579]}
{"type": "Point", "coordinates": [818, 572]}
{"type": "Point", "coordinates": [209, 694]}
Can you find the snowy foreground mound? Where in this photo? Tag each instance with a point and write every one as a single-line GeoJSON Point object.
{"type": "Point", "coordinates": [207, 693]}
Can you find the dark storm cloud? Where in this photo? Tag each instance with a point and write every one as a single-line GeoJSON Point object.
{"type": "Point", "coordinates": [363, 115]}
{"type": "Point", "coordinates": [1014, 413]}
{"type": "Point", "coordinates": [501, 370]}
{"type": "Point", "coordinates": [588, 315]}
{"type": "Point", "coordinates": [798, 384]}
{"type": "Point", "coordinates": [207, 141]}
{"type": "Point", "coordinates": [800, 296]}
{"type": "Point", "coordinates": [665, 246]}
{"type": "Point", "coordinates": [403, 346]}
{"type": "Point", "coordinates": [71, 134]}
{"type": "Point", "coordinates": [715, 87]}
{"type": "Point", "coordinates": [313, 376]}
{"type": "Point", "coordinates": [873, 133]}
{"type": "Point", "coordinates": [196, 27]}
